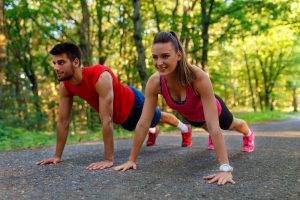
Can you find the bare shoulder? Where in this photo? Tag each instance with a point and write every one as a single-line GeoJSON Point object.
{"type": "Point", "coordinates": [199, 72]}
{"type": "Point", "coordinates": [104, 77]}
{"type": "Point", "coordinates": [202, 81]}
{"type": "Point", "coordinates": [153, 84]}
{"type": "Point", "coordinates": [104, 84]}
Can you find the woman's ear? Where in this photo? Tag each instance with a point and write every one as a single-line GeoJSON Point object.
{"type": "Point", "coordinates": [179, 55]}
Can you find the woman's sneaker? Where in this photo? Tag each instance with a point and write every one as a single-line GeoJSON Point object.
{"type": "Point", "coordinates": [248, 143]}
{"type": "Point", "coordinates": [152, 137]}
{"type": "Point", "coordinates": [210, 145]}
{"type": "Point", "coordinates": [187, 137]}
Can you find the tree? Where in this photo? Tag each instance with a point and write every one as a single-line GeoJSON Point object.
{"type": "Point", "coordinates": [138, 42]}
{"type": "Point", "coordinates": [3, 43]}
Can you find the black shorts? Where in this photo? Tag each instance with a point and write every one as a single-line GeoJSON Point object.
{"type": "Point", "coordinates": [225, 118]}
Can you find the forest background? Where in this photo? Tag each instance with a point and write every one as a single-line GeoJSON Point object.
{"type": "Point", "coordinates": [249, 48]}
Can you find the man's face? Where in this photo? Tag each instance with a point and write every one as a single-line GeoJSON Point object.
{"type": "Point", "coordinates": [63, 67]}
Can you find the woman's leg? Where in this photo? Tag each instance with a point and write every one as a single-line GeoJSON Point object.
{"type": "Point", "coordinates": [240, 125]}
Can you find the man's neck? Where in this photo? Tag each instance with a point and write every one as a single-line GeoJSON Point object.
{"type": "Point", "coordinates": [77, 76]}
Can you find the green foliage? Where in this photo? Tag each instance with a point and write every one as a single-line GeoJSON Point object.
{"type": "Point", "coordinates": [266, 31]}
{"type": "Point", "coordinates": [17, 138]}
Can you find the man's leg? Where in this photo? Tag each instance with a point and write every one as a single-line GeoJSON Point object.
{"type": "Point", "coordinates": [172, 120]}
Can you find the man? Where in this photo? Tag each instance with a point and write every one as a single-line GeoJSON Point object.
{"type": "Point", "coordinates": [115, 103]}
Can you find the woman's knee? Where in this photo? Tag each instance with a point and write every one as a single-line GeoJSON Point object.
{"type": "Point", "coordinates": [236, 124]}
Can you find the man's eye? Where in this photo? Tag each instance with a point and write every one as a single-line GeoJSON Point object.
{"type": "Point", "coordinates": [165, 56]}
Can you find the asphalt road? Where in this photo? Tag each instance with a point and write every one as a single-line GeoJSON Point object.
{"type": "Point", "coordinates": [165, 171]}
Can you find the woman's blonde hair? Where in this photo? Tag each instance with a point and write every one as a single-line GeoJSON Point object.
{"type": "Point", "coordinates": [183, 69]}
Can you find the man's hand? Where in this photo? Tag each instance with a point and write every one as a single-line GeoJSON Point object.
{"type": "Point", "coordinates": [126, 166]}
{"type": "Point", "coordinates": [100, 165]}
{"type": "Point", "coordinates": [221, 178]}
{"type": "Point", "coordinates": [52, 160]}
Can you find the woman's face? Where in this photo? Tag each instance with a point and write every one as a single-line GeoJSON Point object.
{"type": "Point", "coordinates": [165, 58]}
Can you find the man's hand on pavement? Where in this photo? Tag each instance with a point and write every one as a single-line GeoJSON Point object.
{"type": "Point", "coordinates": [52, 160]}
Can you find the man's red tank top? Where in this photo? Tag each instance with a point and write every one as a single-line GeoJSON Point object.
{"type": "Point", "coordinates": [192, 108]}
{"type": "Point", "coordinates": [123, 96]}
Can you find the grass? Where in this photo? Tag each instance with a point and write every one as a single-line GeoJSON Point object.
{"type": "Point", "coordinates": [251, 117]}
{"type": "Point", "coordinates": [18, 138]}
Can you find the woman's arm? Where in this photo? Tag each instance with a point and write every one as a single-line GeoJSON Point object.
{"type": "Point", "coordinates": [142, 127]}
{"type": "Point", "coordinates": [202, 86]}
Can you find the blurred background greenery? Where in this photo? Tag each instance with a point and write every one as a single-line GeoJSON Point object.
{"type": "Point", "coordinates": [250, 49]}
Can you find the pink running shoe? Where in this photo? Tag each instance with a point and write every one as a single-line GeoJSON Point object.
{"type": "Point", "coordinates": [152, 137]}
{"type": "Point", "coordinates": [248, 142]}
{"type": "Point", "coordinates": [187, 137]}
{"type": "Point", "coordinates": [210, 145]}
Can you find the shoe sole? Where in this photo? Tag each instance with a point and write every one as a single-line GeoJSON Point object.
{"type": "Point", "coordinates": [248, 151]}
{"type": "Point", "coordinates": [187, 145]}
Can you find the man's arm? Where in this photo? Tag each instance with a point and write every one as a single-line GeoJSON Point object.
{"type": "Point", "coordinates": [62, 125]}
{"type": "Point", "coordinates": [104, 87]}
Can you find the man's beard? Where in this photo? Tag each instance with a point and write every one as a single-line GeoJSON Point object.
{"type": "Point", "coordinates": [65, 78]}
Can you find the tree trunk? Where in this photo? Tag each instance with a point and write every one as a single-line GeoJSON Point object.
{"type": "Point", "coordinates": [85, 46]}
{"type": "Point", "coordinates": [84, 32]}
{"type": "Point", "coordinates": [138, 43]}
{"type": "Point", "coordinates": [156, 16]}
{"type": "Point", "coordinates": [258, 89]}
{"type": "Point", "coordinates": [101, 55]}
{"type": "Point", "coordinates": [249, 82]}
{"type": "Point", "coordinates": [185, 34]}
{"type": "Point", "coordinates": [205, 25]}
{"type": "Point", "coordinates": [174, 14]}
{"type": "Point", "coordinates": [295, 99]}
{"type": "Point", "coordinates": [3, 56]}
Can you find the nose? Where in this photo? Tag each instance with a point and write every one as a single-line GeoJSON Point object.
{"type": "Point", "coordinates": [56, 66]}
{"type": "Point", "coordinates": [159, 62]}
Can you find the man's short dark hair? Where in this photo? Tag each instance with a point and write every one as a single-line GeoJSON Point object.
{"type": "Point", "coordinates": [68, 48]}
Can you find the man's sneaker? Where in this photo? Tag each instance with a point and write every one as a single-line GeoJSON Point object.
{"type": "Point", "coordinates": [210, 145]}
{"type": "Point", "coordinates": [152, 137]}
{"type": "Point", "coordinates": [248, 142]}
{"type": "Point", "coordinates": [187, 137]}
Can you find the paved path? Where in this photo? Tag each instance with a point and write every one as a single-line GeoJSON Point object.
{"type": "Point", "coordinates": [165, 171]}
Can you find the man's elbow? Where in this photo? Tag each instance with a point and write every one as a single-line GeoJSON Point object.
{"type": "Point", "coordinates": [107, 122]}
{"type": "Point", "coordinates": [63, 124]}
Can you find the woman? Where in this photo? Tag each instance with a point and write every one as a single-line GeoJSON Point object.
{"type": "Point", "coordinates": [188, 90]}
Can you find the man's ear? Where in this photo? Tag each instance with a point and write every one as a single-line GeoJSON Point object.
{"type": "Point", "coordinates": [76, 62]}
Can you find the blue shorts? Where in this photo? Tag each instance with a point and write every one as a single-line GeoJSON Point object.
{"type": "Point", "coordinates": [136, 111]}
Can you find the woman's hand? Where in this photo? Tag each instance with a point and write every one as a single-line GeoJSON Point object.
{"type": "Point", "coordinates": [126, 166]}
{"type": "Point", "coordinates": [220, 177]}
{"type": "Point", "coordinates": [100, 165]}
